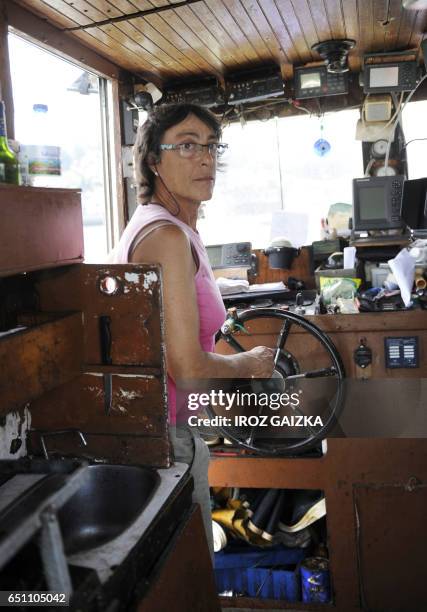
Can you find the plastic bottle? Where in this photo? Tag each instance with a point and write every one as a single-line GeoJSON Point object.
{"type": "Point", "coordinates": [9, 165]}
{"type": "Point", "coordinates": [44, 164]}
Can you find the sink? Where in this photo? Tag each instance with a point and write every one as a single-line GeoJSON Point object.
{"type": "Point", "coordinates": [108, 502]}
{"type": "Point", "coordinates": [103, 512]}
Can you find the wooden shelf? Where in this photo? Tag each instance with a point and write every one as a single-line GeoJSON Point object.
{"type": "Point", "coordinates": [40, 228]}
{"type": "Point", "coordinates": [369, 485]}
{"type": "Point", "coordinates": [40, 357]}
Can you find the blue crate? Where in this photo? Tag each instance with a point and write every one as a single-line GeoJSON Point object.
{"type": "Point", "coordinates": [232, 579]}
{"type": "Point", "coordinates": [268, 583]}
{"type": "Point", "coordinates": [245, 556]}
{"type": "Point", "coordinates": [253, 571]}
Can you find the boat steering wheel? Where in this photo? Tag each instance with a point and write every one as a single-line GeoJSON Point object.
{"type": "Point", "coordinates": [293, 351]}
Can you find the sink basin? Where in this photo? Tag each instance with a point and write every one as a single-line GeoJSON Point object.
{"type": "Point", "coordinates": [110, 500]}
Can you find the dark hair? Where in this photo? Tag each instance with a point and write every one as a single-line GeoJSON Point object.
{"type": "Point", "coordinates": [146, 150]}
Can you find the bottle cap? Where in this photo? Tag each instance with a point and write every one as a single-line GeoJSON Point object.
{"type": "Point", "coordinates": [40, 108]}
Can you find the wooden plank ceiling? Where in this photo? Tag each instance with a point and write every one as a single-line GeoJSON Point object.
{"type": "Point", "coordinates": [221, 37]}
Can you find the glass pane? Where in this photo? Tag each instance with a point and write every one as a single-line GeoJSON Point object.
{"type": "Point", "coordinates": [274, 183]}
{"type": "Point", "coordinates": [247, 189]}
{"type": "Point", "coordinates": [312, 182]}
{"type": "Point", "coordinates": [57, 104]}
{"type": "Point", "coordinates": [414, 119]}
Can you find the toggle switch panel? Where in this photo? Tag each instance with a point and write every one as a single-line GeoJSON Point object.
{"type": "Point", "coordinates": [401, 352]}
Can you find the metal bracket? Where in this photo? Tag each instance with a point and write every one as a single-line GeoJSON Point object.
{"type": "Point", "coordinates": [43, 434]}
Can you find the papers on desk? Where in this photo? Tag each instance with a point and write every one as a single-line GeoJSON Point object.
{"type": "Point", "coordinates": [279, 286]}
{"type": "Point", "coordinates": [403, 268]}
{"type": "Point", "coordinates": [229, 286]}
{"type": "Point", "coordinates": [349, 257]}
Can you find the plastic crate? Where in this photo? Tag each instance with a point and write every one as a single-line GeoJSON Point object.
{"type": "Point", "coordinates": [273, 583]}
{"type": "Point", "coordinates": [257, 573]}
{"type": "Point", "coordinates": [245, 556]}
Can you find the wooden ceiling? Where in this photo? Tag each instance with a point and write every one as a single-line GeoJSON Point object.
{"type": "Point", "coordinates": [219, 37]}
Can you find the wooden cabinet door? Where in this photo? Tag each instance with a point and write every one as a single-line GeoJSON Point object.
{"type": "Point", "coordinates": [183, 579]}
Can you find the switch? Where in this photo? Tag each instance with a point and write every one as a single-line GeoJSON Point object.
{"type": "Point", "coordinates": [401, 352]}
{"type": "Point", "coordinates": [363, 355]}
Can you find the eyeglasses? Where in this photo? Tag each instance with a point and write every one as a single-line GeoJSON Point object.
{"type": "Point", "coordinates": [190, 150]}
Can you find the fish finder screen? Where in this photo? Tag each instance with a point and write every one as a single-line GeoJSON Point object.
{"type": "Point", "coordinates": [310, 80]}
{"type": "Point", "coordinates": [372, 203]}
{"type": "Point", "coordinates": [384, 77]}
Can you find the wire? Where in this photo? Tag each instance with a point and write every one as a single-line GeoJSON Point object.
{"type": "Point", "coordinates": [412, 140]}
{"type": "Point", "coordinates": [303, 108]}
{"type": "Point", "coordinates": [369, 166]}
{"type": "Point", "coordinates": [171, 195]}
{"type": "Point", "coordinates": [413, 91]}
{"type": "Point", "coordinates": [390, 139]}
{"type": "Point", "coordinates": [398, 115]}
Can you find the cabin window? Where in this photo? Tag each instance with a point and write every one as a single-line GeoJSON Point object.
{"type": "Point", "coordinates": [273, 178]}
{"type": "Point", "coordinates": [71, 117]}
{"type": "Point", "coordinates": [415, 130]}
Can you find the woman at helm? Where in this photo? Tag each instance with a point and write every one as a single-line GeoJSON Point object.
{"type": "Point", "coordinates": [175, 159]}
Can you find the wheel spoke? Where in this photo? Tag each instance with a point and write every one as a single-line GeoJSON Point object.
{"type": "Point", "coordinates": [323, 373]}
{"type": "Point", "coordinates": [233, 342]}
{"type": "Point", "coordinates": [309, 427]}
{"type": "Point", "coordinates": [251, 437]}
{"type": "Point", "coordinates": [310, 434]}
{"type": "Point", "coordinates": [283, 336]}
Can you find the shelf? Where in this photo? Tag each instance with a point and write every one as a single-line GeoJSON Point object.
{"type": "Point", "coordinates": [41, 228]}
{"type": "Point", "coordinates": [40, 357]}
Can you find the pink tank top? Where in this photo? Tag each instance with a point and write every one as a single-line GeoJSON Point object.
{"type": "Point", "coordinates": [209, 301]}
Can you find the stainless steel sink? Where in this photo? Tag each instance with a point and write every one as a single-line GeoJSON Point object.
{"type": "Point", "coordinates": [90, 516]}
{"type": "Point", "coordinates": [110, 500]}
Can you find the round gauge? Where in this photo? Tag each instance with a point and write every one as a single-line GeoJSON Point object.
{"type": "Point", "coordinates": [385, 171]}
{"type": "Point", "coordinates": [379, 148]}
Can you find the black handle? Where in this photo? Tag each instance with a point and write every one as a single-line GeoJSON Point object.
{"type": "Point", "coordinates": [275, 515]}
{"type": "Point", "coordinates": [105, 338]}
{"type": "Point", "coordinates": [262, 513]}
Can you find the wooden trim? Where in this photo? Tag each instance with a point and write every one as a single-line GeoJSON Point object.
{"type": "Point", "coordinates": [5, 76]}
{"type": "Point", "coordinates": [116, 147]}
{"type": "Point", "coordinates": [50, 37]}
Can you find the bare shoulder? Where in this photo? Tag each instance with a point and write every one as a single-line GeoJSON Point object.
{"type": "Point", "coordinates": [165, 244]}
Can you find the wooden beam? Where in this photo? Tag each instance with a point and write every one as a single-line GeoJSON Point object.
{"type": "Point", "coordinates": [116, 151]}
{"type": "Point", "coordinates": [5, 77]}
{"type": "Point", "coordinates": [67, 46]}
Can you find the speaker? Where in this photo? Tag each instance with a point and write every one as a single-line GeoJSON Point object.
{"type": "Point", "coordinates": [414, 203]}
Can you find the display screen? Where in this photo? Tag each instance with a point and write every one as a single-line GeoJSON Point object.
{"type": "Point", "coordinates": [387, 76]}
{"type": "Point", "coordinates": [215, 256]}
{"type": "Point", "coordinates": [372, 203]}
{"type": "Point", "coordinates": [310, 80]}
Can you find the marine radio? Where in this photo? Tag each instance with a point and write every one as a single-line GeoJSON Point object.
{"type": "Point", "coordinates": [381, 75]}
{"type": "Point", "coordinates": [232, 255]}
{"type": "Point", "coordinates": [317, 82]}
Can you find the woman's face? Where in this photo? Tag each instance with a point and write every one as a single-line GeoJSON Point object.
{"type": "Point", "coordinates": [190, 179]}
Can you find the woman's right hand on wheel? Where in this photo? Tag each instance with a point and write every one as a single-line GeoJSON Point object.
{"type": "Point", "coordinates": [260, 362]}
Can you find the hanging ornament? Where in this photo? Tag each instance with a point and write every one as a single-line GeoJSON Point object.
{"type": "Point", "coordinates": [321, 146]}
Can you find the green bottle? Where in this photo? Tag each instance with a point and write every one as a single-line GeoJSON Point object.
{"type": "Point", "coordinates": [9, 166]}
